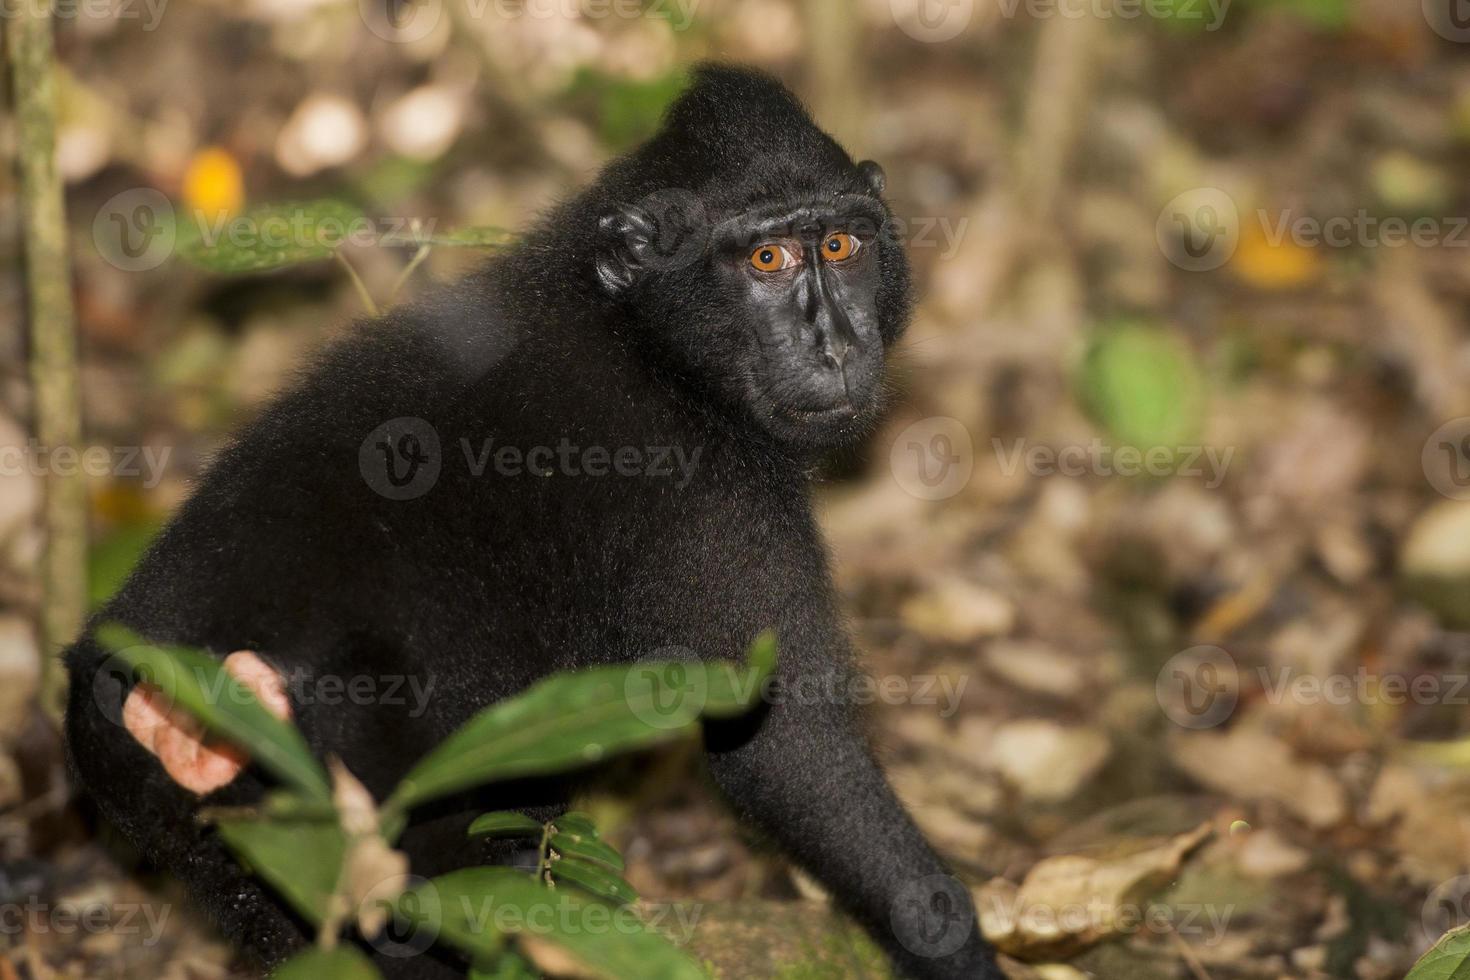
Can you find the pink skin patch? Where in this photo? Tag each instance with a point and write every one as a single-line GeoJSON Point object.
{"type": "Point", "coordinates": [200, 763]}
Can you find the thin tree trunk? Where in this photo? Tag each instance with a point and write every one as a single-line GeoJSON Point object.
{"type": "Point", "coordinates": [53, 345]}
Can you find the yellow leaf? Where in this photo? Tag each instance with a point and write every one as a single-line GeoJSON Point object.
{"type": "Point", "coordinates": [213, 185]}
{"type": "Point", "coordinates": [1268, 261]}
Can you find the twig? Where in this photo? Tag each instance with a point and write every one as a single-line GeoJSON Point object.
{"type": "Point", "coordinates": [53, 343]}
{"type": "Point", "coordinates": [357, 283]}
{"type": "Point", "coordinates": [413, 263]}
{"type": "Point", "coordinates": [543, 856]}
{"type": "Point", "coordinates": [1191, 959]}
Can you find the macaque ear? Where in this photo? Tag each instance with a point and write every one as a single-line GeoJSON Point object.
{"type": "Point", "coordinates": [627, 240]}
{"type": "Point", "coordinates": [665, 231]}
{"type": "Point", "coordinates": [874, 175]}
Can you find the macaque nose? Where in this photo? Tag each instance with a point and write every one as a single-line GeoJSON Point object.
{"type": "Point", "coordinates": [834, 353]}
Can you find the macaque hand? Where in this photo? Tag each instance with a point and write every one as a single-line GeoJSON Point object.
{"type": "Point", "coordinates": [196, 761]}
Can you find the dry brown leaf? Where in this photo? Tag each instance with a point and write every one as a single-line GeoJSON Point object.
{"type": "Point", "coordinates": [373, 874]}
{"type": "Point", "coordinates": [1072, 901]}
{"type": "Point", "coordinates": [1251, 764]}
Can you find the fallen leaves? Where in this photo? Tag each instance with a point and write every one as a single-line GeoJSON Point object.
{"type": "Point", "coordinates": [1069, 902]}
{"type": "Point", "coordinates": [1252, 764]}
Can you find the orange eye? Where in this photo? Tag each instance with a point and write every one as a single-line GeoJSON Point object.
{"type": "Point", "coordinates": [772, 258]}
{"type": "Point", "coordinates": [839, 247]}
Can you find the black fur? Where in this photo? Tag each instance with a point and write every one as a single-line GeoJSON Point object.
{"type": "Point", "coordinates": [604, 328]}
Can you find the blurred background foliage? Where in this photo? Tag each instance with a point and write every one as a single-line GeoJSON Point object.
{"type": "Point", "coordinates": [1035, 158]}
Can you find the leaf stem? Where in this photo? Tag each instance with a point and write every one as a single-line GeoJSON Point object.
{"type": "Point", "coordinates": [413, 263]}
{"type": "Point", "coordinates": [543, 856]}
{"type": "Point", "coordinates": [357, 283]}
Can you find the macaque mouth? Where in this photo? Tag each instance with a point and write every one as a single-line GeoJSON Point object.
{"type": "Point", "coordinates": [844, 410]}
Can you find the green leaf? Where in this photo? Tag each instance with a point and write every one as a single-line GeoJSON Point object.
{"type": "Point", "coordinates": [572, 720]}
{"type": "Point", "coordinates": [630, 109]}
{"type": "Point", "coordinates": [593, 878]}
{"type": "Point", "coordinates": [508, 967]}
{"type": "Point", "coordinates": [1448, 960]}
{"type": "Point", "coordinates": [731, 691]}
{"type": "Point", "coordinates": [1142, 384]}
{"type": "Point", "coordinates": [200, 684]}
{"type": "Point", "coordinates": [111, 559]}
{"type": "Point", "coordinates": [300, 859]}
{"type": "Point", "coordinates": [285, 805]}
{"type": "Point", "coordinates": [474, 908]}
{"type": "Point", "coordinates": [505, 823]}
{"type": "Point", "coordinates": [1336, 14]}
{"type": "Point", "coordinates": [577, 823]}
{"type": "Point", "coordinates": [272, 236]}
{"type": "Point", "coordinates": [482, 237]}
{"type": "Point", "coordinates": [342, 963]}
{"type": "Point", "coordinates": [588, 849]}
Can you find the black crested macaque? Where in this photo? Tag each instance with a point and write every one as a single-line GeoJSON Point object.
{"type": "Point", "coordinates": [594, 450]}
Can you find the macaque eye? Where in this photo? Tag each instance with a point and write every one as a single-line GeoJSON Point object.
{"type": "Point", "coordinates": [839, 247]}
{"type": "Point", "coordinates": [772, 258]}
